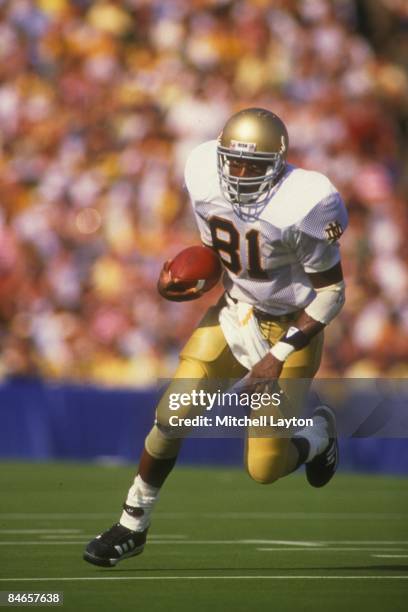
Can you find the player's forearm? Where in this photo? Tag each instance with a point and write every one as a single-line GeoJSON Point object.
{"type": "Point", "coordinates": [309, 326]}
{"type": "Point", "coordinates": [297, 336]}
{"type": "Point", "coordinates": [323, 309]}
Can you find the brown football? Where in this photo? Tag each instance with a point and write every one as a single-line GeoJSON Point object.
{"type": "Point", "coordinates": [194, 264]}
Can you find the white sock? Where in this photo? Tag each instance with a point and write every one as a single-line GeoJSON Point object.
{"type": "Point", "coordinates": [317, 436]}
{"type": "Point", "coordinates": [143, 496]}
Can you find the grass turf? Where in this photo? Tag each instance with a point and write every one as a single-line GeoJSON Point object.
{"type": "Point", "coordinates": [218, 541]}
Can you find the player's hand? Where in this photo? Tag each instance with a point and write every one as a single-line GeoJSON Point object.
{"type": "Point", "coordinates": [268, 369]}
{"type": "Point", "coordinates": [172, 288]}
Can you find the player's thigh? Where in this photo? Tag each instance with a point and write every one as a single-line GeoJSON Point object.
{"type": "Point", "coordinates": [209, 350]}
{"type": "Point", "coordinates": [206, 362]}
{"type": "Point", "coordinates": [298, 373]}
{"type": "Point", "coordinates": [266, 458]}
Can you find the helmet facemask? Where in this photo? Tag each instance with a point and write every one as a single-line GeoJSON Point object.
{"type": "Point", "coordinates": [248, 194]}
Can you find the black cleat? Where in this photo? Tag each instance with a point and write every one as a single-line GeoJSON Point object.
{"type": "Point", "coordinates": [322, 468]}
{"type": "Point", "coordinates": [115, 544]}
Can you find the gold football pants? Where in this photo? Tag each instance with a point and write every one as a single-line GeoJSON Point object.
{"type": "Point", "coordinates": [207, 356]}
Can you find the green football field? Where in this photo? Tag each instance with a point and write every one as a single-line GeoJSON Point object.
{"type": "Point", "coordinates": [218, 541]}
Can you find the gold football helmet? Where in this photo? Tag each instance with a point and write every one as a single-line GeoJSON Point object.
{"type": "Point", "coordinates": [257, 141]}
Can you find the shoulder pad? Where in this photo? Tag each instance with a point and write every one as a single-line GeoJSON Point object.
{"type": "Point", "coordinates": [200, 174]}
{"type": "Point", "coordinates": [296, 197]}
{"type": "Point", "coordinates": [300, 191]}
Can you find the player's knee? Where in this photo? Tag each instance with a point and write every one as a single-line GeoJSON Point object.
{"type": "Point", "coordinates": [162, 446]}
{"type": "Point", "coordinates": [265, 469]}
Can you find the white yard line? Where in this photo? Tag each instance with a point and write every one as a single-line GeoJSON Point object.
{"type": "Point", "coordinates": [88, 536]}
{"type": "Point", "coordinates": [210, 515]}
{"type": "Point", "coordinates": [303, 515]}
{"type": "Point", "coordinates": [74, 536]}
{"type": "Point", "coordinates": [175, 542]}
{"type": "Point", "coordinates": [326, 548]}
{"type": "Point", "coordinates": [40, 531]}
{"type": "Point", "coordinates": [201, 577]}
{"type": "Point", "coordinates": [164, 536]}
{"type": "Point", "coordinates": [50, 516]}
{"type": "Point", "coordinates": [391, 556]}
{"type": "Point", "coordinates": [284, 542]}
{"type": "Point", "coordinates": [60, 534]}
{"type": "Point", "coordinates": [41, 543]}
{"type": "Point", "coordinates": [365, 542]}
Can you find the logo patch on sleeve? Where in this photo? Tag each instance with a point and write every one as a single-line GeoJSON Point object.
{"type": "Point", "coordinates": [333, 231]}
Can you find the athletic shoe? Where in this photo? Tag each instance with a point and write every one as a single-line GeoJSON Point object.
{"type": "Point", "coordinates": [322, 468]}
{"type": "Point", "coordinates": [115, 544]}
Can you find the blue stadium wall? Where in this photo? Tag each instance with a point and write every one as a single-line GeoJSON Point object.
{"type": "Point", "coordinates": [44, 422]}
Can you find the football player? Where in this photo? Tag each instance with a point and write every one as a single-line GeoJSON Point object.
{"type": "Point", "coordinates": [275, 228]}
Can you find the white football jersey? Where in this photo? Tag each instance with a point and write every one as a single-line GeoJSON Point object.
{"type": "Point", "coordinates": [267, 258]}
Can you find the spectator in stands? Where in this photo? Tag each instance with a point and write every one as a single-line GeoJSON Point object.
{"type": "Point", "coordinates": [100, 104]}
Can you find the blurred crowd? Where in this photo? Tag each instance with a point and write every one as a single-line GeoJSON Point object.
{"type": "Point", "coordinates": [101, 101]}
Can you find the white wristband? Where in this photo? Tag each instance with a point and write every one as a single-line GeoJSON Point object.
{"type": "Point", "coordinates": [282, 350]}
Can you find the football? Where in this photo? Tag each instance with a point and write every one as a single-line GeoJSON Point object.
{"type": "Point", "coordinates": [196, 266]}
